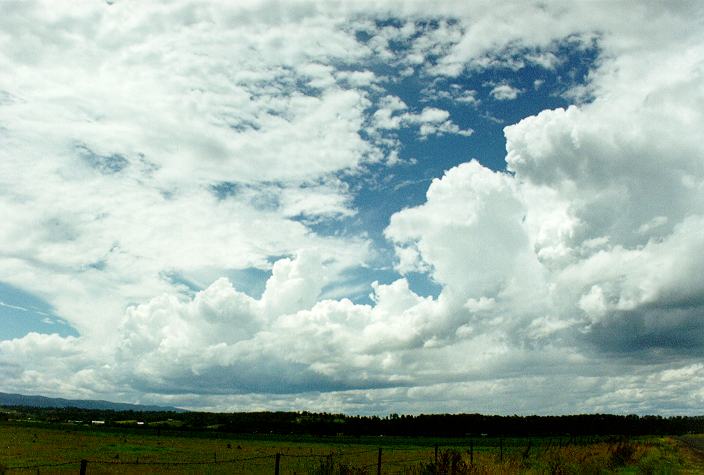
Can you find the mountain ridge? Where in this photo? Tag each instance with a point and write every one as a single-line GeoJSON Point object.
{"type": "Point", "coordinates": [12, 399]}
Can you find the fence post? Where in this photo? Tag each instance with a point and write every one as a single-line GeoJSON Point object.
{"type": "Point", "coordinates": [436, 458]}
{"type": "Point", "coordinates": [501, 450]}
{"type": "Point", "coordinates": [278, 461]}
{"type": "Point", "coordinates": [471, 452]}
{"type": "Point", "coordinates": [84, 466]}
{"type": "Point", "coordinates": [378, 463]}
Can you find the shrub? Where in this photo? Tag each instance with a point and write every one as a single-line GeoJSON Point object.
{"type": "Point", "coordinates": [450, 462]}
{"type": "Point", "coordinates": [328, 466]}
{"type": "Point", "coordinates": [325, 466]}
{"type": "Point", "coordinates": [622, 454]}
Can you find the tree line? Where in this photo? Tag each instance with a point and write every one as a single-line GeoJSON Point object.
{"type": "Point", "coordinates": [327, 424]}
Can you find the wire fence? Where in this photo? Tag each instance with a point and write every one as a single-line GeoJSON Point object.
{"type": "Point", "coordinates": [295, 460]}
{"type": "Point", "coordinates": [385, 460]}
{"type": "Point", "coordinates": [497, 455]}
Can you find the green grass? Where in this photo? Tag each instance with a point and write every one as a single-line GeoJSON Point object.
{"type": "Point", "coordinates": [119, 450]}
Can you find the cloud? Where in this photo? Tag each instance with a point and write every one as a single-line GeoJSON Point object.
{"type": "Point", "coordinates": [195, 140]}
{"type": "Point", "coordinates": [286, 341]}
{"type": "Point", "coordinates": [384, 117]}
{"type": "Point", "coordinates": [504, 92]}
{"type": "Point", "coordinates": [545, 59]}
{"type": "Point", "coordinates": [431, 120]}
{"type": "Point", "coordinates": [593, 240]}
{"type": "Point", "coordinates": [454, 93]}
{"type": "Point", "coordinates": [116, 182]}
{"type": "Point", "coordinates": [468, 231]}
{"type": "Point", "coordinates": [23, 364]}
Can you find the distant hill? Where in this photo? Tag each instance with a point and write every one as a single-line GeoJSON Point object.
{"type": "Point", "coordinates": [41, 401]}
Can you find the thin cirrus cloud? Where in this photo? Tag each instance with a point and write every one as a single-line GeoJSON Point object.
{"type": "Point", "coordinates": [194, 139]}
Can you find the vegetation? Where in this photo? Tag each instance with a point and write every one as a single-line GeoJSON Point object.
{"type": "Point", "coordinates": [324, 424]}
{"type": "Point", "coordinates": [55, 440]}
{"type": "Point", "coordinates": [60, 449]}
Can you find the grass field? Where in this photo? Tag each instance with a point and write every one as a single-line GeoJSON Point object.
{"type": "Point", "coordinates": [43, 450]}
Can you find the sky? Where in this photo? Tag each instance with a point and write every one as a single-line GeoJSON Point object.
{"type": "Point", "coordinates": [368, 207]}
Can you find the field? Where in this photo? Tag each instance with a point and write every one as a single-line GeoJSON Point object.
{"type": "Point", "coordinates": [41, 449]}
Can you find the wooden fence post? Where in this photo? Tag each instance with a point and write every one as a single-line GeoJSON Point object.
{"type": "Point", "coordinates": [526, 453]}
{"type": "Point", "coordinates": [278, 461]}
{"type": "Point", "coordinates": [84, 466]}
{"type": "Point", "coordinates": [378, 463]}
{"type": "Point", "coordinates": [501, 450]}
{"type": "Point", "coordinates": [436, 458]}
{"type": "Point", "coordinates": [471, 452]}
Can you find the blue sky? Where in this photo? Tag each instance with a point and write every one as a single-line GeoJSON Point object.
{"type": "Point", "coordinates": [353, 206]}
{"type": "Point", "coordinates": [23, 313]}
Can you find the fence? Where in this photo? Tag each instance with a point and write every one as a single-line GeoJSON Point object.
{"type": "Point", "coordinates": [289, 460]}
{"type": "Point", "coordinates": [386, 461]}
